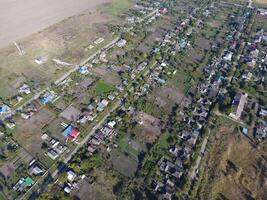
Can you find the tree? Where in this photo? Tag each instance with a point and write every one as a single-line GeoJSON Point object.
{"type": "Point", "coordinates": [62, 177]}
{"type": "Point", "coordinates": [44, 145]}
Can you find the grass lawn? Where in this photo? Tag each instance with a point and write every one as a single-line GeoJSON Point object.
{"type": "Point", "coordinates": [102, 87]}
{"type": "Point", "coordinates": [45, 160]}
{"type": "Point", "coordinates": [181, 80]}
{"type": "Point", "coordinates": [2, 197]}
{"type": "Point", "coordinates": [210, 32]}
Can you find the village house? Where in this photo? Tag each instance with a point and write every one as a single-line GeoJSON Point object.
{"type": "Point", "coordinates": [10, 124]}
{"type": "Point", "coordinates": [71, 176]}
{"type": "Point", "coordinates": [71, 132]}
{"type": "Point", "coordinates": [87, 116]}
{"type": "Point", "coordinates": [102, 105]}
{"type": "Point", "coordinates": [25, 89]}
{"type": "Point", "coordinates": [47, 97]}
{"type": "Point", "coordinates": [238, 105]}
{"type": "Point", "coordinates": [52, 154]}
{"type": "Point", "coordinates": [4, 108]}
{"type": "Point", "coordinates": [23, 184]}
{"type": "Point", "coordinates": [121, 43]}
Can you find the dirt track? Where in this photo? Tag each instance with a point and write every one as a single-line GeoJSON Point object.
{"type": "Point", "coordinates": [19, 18]}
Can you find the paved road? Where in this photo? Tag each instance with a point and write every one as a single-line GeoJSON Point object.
{"type": "Point", "coordinates": [85, 140]}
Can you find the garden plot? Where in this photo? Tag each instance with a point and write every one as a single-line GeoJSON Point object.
{"type": "Point", "coordinates": [167, 96]}
{"type": "Point", "coordinates": [123, 164]}
{"type": "Point", "coordinates": [28, 132]}
{"type": "Point", "coordinates": [109, 76]}
{"type": "Point", "coordinates": [55, 129]}
{"type": "Point", "coordinates": [148, 128]}
{"type": "Point", "coordinates": [71, 114]}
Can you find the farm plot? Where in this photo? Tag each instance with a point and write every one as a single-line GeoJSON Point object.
{"type": "Point", "coordinates": [181, 81]}
{"type": "Point", "coordinates": [102, 188]}
{"type": "Point", "coordinates": [101, 87]}
{"type": "Point", "coordinates": [260, 3]}
{"type": "Point", "coordinates": [155, 33]}
{"type": "Point", "coordinates": [60, 104]}
{"type": "Point", "coordinates": [129, 146]}
{"type": "Point", "coordinates": [116, 7]}
{"type": "Point", "coordinates": [195, 53]}
{"type": "Point", "coordinates": [7, 169]}
{"type": "Point", "coordinates": [80, 87]}
{"type": "Point", "coordinates": [84, 190]}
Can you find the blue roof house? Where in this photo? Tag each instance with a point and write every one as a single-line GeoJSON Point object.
{"type": "Point", "coordinates": [47, 97]}
{"type": "Point", "coordinates": [4, 108]}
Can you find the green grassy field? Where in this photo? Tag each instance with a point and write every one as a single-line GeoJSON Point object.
{"type": "Point", "coordinates": [124, 143]}
{"type": "Point", "coordinates": [181, 80]}
{"type": "Point", "coordinates": [2, 197]}
{"type": "Point", "coordinates": [102, 87]}
{"type": "Point", "coordinates": [116, 7]}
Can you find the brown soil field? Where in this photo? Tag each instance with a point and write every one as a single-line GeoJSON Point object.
{"type": "Point", "coordinates": [22, 18]}
{"type": "Point", "coordinates": [167, 96]}
{"type": "Point", "coordinates": [148, 128]}
{"type": "Point", "coordinates": [234, 168]}
{"type": "Point", "coordinates": [261, 2]}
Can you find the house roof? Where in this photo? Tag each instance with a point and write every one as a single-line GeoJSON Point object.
{"type": "Point", "coordinates": [28, 181]}
{"type": "Point", "coordinates": [71, 132]}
